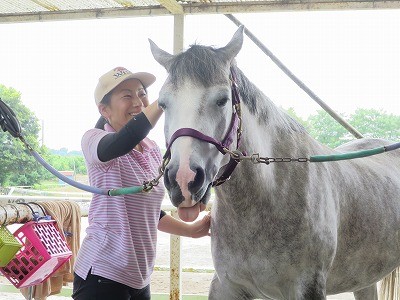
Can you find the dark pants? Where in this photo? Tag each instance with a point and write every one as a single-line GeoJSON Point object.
{"type": "Point", "coordinates": [100, 288]}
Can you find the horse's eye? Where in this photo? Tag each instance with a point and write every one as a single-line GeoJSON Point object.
{"type": "Point", "coordinates": [221, 102]}
{"type": "Point", "coordinates": [162, 106]}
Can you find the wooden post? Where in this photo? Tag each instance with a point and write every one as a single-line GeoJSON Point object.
{"type": "Point", "coordinates": [175, 264]}
{"type": "Point", "coordinates": [175, 241]}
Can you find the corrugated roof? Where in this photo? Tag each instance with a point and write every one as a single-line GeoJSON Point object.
{"type": "Point", "coordinates": [48, 10]}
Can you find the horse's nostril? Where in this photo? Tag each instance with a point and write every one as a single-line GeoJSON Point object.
{"type": "Point", "coordinates": [198, 181]}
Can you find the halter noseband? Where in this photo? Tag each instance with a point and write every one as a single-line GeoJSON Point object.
{"type": "Point", "coordinates": [224, 145]}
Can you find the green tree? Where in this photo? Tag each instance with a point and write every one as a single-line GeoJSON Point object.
{"type": "Point", "coordinates": [291, 112]}
{"type": "Point", "coordinates": [17, 167]}
{"type": "Point", "coordinates": [369, 122]}
{"type": "Point", "coordinates": [67, 162]}
{"type": "Point", "coordinates": [327, 130]}
{"type": "Point", "coordinates": [377, 124]}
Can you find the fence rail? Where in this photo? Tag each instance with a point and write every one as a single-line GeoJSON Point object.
{"type": "Point", "coordinates": [13, 210]}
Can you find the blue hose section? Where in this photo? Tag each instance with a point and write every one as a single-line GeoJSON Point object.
{"type": "Point", "coordinates": [78, 185]}
{"type": "Point", "coordinates": [392, 147]}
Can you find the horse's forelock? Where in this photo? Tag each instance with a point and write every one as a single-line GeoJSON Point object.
{"type": "Point", "coordinates": [199, 63]}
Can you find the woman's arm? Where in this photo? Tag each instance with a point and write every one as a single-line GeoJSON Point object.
{"type": "Point", "coordinates": [120, 143]}
{"type": "Point", "coordinates": [196, 229]}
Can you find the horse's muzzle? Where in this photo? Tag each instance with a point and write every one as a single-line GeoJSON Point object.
{"type": "Point", "coordinates": [188, 190]}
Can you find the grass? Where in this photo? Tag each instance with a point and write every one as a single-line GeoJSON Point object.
{"type": "Point", "coordinates": [53, 185]}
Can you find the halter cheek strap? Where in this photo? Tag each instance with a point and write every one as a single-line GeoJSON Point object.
{"type": "Point", "coordinates": [222, 146]}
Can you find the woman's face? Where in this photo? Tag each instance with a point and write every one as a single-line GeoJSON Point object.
{"type": "Point", "coordinates": [127, 100]}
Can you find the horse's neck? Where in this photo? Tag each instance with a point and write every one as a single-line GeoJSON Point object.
{"type": "Point", "coordinates": [275, 138]}
{"type": "Point", "coordinates": [275, 134]}
{"type": "Point", "coordinates": [265, 125]}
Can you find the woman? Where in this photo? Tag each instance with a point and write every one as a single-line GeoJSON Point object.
{"type": "Point", "coordinates": [117, 255]}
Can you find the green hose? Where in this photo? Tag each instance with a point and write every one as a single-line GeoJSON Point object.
{"type": "Point", "coordinates": [350, 155]}
{"type": "Point", "coordinates": [125, 191]}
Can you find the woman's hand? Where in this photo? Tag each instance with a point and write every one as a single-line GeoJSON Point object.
{"type": "Point", "coordinates": [201, 227]}
{"type": "Point", "coordinates": [153, 112]}
{"type": "Point", "coordinates": [196, 229]}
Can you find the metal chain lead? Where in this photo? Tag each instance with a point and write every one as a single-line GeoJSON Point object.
{"type": "Point", "coordinates": [148, 185]}
{"type": "Point", "coordinates": [257, 159]}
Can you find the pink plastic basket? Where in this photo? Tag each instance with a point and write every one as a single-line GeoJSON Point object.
{"type": "Point", "coordinates": [43, 251]}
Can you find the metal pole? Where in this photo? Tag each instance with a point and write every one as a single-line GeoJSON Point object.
{"type": "Point", "coordinates": [329, 110]}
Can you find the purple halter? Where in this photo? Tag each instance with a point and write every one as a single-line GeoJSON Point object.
{"type": "Point", "coordinates": [222, 146]}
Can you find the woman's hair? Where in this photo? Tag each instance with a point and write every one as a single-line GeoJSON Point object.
{"type": "Point", "coordinates": [106, 101]}
{"type": "Point", "coordinates": [100, 123]}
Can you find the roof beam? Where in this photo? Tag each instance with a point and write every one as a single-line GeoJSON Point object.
{"type": "Point", "coordinates": [124, 3]}
{"type": "Point", "coordinates": [173, 6]}
{"type": "Point", "coordinates": [45, 5]}
{"type": "Point", "coordinates": [289, 5]}
{"type": "Point", "coordinates": [201, 8]}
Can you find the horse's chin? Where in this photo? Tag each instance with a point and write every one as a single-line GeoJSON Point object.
{"type": "Point", "coordinates": [190, 213]}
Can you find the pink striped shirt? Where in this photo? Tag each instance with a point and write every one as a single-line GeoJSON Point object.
{"type": "Point", "coordinates": [120, 241]}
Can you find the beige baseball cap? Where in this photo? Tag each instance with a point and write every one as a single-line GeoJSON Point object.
{"type": "Point", "coordinates": [111, 79]}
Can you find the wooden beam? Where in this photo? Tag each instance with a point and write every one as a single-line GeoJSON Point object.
{"type": "Point", "coordinates": [198, 8]}
{"type": "Point", "coordinates": [18, 213]}
{"type": "Point", "coordinates": [172, 6]}
{"type": "Point", "coordinates": [14, 203]}
{"type": "Point", "coordinates": [124, 3]}
{"type": "Point", "coordinates": [179, 28]}
{"type": "Point", "coordinates": [46, 5]}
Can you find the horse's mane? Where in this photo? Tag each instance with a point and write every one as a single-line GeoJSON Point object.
{"type": "Point", "coordinates": [204, 65]}
{"type": "Point", "coordinates": [199, 63]}
{"type": "Point", "coordinates": [263, 108]}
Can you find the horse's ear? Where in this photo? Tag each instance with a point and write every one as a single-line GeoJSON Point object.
{"type": "Point", "coordinates": [229, 52]}
{"type": "Point", "coordinates": [161, 56]}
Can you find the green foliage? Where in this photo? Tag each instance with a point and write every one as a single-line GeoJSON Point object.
{"type": "Point", "coordinates": [327, 130]}
{"type": "Point", "coordinates": [290, 111]}
{"type": "Point", "coordinates": [67, 163]}
{"type": "Point", "coordinates": [377, 124]}
{"type": "Point", "coordinates": [17, 167]}
{"type": "Point", "coordinates": [370, 122]}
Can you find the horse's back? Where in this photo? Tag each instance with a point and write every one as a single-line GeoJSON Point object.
{"type": "Point", "coordinates": [364, 144]}
{"type": "Point", "coordinates": [368, 240]}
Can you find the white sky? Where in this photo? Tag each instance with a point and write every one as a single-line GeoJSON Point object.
{"type": "Point", "coordinates": [350, 59]}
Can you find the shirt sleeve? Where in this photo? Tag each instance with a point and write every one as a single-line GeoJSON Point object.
{"type": "Point", "coordinates": [116, 144]}
{"type": "Point", "coordinates": [162, 214]}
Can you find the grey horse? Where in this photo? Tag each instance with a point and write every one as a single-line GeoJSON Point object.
{"type": "Point", "coordinates": [287, 230]}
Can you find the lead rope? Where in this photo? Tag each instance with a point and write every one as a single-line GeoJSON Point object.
{"type": "Point", "coordinates": [256, 158]}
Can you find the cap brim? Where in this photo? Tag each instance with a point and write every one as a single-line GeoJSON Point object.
{"type": "Point", "coordinates": [145, 78]}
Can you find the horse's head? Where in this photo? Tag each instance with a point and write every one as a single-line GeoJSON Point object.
{"type": "Point", "coordinates": [196, 96]}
